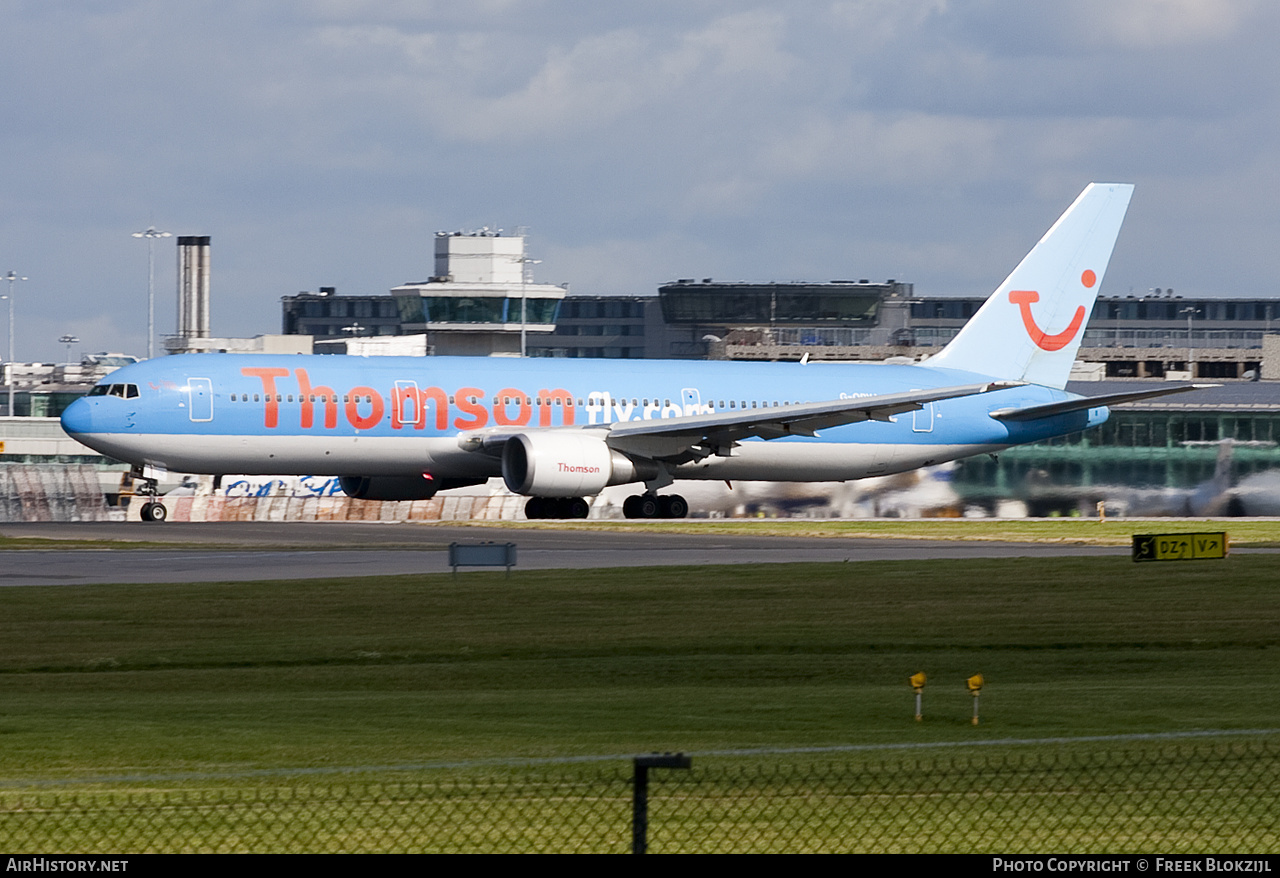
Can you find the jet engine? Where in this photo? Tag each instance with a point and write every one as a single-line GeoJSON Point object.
{"type": "Point", "coordinates": [421, 487]}
{"type": "Point", "coordinates": [564, 464]}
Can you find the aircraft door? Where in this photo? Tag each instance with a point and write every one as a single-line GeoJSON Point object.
{"type": "Point", "coordinates": [407, 399]}
{"type": "Point", "coordinates": [922, 419]}
{"type": "Point", "coordinates": [691, 401]}
{"type": "Point", "coordinates": [200, 399]}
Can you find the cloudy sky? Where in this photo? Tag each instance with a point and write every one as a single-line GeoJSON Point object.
{"type": "Point", "coordinates": [324, 142]}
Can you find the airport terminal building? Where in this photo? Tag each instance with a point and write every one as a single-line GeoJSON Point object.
{"type": "Point", "coordinates": [1126, 337]}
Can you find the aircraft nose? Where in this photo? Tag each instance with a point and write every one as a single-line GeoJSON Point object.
{"type": "Point", "coordinates": [78, 417]}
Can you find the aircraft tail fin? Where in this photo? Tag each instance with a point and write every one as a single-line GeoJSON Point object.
{"type": "Point", "coordinates": [1030, 328]}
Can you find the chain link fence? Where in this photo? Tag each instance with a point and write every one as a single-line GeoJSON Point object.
{"type": "Point", "coordinates": [1157, 795]}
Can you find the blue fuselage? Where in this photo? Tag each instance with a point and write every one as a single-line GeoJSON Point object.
{"type": "Point", "coordinates": [342, 415]}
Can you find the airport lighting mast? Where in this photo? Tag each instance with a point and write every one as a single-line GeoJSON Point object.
{"type": "Point", "coordinates": [12, 277]}
{"type": "Point", "coordinates": [150, 233]}
{"type": "Point", "coordinates": [525, 262]}
{"type": "Point", "coordinates": [68, 340]}
{"type": "Point", "coordinates": [1191, 348]}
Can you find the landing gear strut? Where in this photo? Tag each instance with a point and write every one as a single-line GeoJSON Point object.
{"type": "Point", "coordinates": [152, 509]}
{"type": "Point", "coordinates": [556, 507]}
{"type": "Point", "coordinates": [653, 506]}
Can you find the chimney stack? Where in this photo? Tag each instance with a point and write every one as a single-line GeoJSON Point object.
{"type": "Point", "coordinates": [193, 286]}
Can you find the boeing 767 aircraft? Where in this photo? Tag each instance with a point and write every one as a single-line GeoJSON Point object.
{"type": "Point", "coordinates": [557, 431]}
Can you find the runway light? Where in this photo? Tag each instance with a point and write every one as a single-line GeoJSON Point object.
{"type": "Point", "coordinates": [975, 688]}
{"type": "Point", "coordinates": [917, 684]}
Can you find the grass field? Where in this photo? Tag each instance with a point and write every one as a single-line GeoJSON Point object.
{"type": "Point", "coordinates": [380, 671]}
{"type": "Point", "coordinates": [178, 694]}
{"type": "Point", "coordinates": [1244, 532]}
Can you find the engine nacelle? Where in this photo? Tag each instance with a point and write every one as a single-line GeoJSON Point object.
{"type": "Point", "coordinates": [563, 464]}
{"type": "Point", "coordinates": [399, 487]}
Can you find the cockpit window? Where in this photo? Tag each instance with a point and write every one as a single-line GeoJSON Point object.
{"type": "Point", "coordinates": [124, 391]}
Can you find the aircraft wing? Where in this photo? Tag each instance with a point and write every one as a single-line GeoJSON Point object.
{"type": "Point", "coordinates": [693, 437]}
{"type": "Point", "coordinates": [1030, 413]}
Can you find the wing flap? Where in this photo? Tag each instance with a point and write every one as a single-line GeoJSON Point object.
{"type": "Point", "coordinates": [700, 435]}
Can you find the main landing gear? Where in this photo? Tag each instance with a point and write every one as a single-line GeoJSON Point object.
{"type": "Point", "coordinates": [556, 507]}
{"type": "Point", "coordinates": [636, 506]}
{"type": "Point", "coordinates": [152, 509]}
{"type": "Point", "coordinates": [653, 506]}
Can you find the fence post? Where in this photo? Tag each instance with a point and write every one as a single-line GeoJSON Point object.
{"type": "Point", "coordinates": [640, 793]}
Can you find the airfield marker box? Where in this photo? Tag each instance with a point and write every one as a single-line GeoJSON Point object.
{"type": "Point", "coordinates": [1179, 547]}
{"type": "Point", "coordinates": [482, 555]}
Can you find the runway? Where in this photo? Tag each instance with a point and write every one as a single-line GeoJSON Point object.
{"type": "Point", "coordinates": [244, 551]}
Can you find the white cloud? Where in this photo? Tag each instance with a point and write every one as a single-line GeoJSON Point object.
{"type": "Point", "coordinates": [883, 21]}
{"type": "Point", "coordinates": [1149, 24]}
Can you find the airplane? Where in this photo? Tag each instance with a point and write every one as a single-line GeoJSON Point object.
{"type": "Point", "coordinates": [558, 431]}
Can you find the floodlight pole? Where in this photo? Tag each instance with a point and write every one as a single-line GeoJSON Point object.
{"type": "Point", "coordinates": [1191, 348]}
{"type": "Point", "coordinates": [525, 262]}
{"type": "Point", "coordinates": [69, 340]}
{"type": "Point", "coordinates": [12, 277]}
{"type": "Point", "coordinates": [150, 233]}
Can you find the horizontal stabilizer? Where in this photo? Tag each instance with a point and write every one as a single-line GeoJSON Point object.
{"type": "Point", "coordinates": [1031, 413]}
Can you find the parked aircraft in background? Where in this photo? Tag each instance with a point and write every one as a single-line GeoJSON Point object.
{"type": "Point", "coordinates": [557, 431]}
{"type": "Point", "coordinates": [1257, 494]}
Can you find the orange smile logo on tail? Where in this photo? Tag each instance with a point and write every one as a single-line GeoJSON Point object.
{"type": "Point", "coordinates": [1024, 298]}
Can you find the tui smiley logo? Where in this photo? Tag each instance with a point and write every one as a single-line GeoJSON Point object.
{"type": "Point", "coordinates": [1046, 342]}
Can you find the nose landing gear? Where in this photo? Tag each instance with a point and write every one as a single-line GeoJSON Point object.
{"type": "Point", "coordinates": [152, 509]}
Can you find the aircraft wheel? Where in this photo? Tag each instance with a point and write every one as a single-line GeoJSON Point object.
{"type": "Point", "coordinates": [648, 506]}
{"type": "Point", "coordinates": [576, 507]}
{"type": "Point", "coordinates": [153, 512]}
{"type": "Point", "coordinates": [536, 508]}
{"type": "Point", "coordinates": [673, 506]}
{"type": "Point", "coordinates": [630, 507]}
